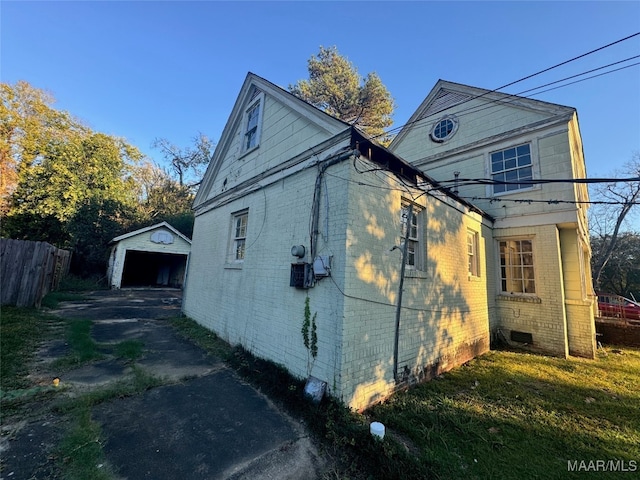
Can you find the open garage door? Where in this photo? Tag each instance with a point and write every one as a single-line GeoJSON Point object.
{"type": "Point", "coordinates": [153, 269]}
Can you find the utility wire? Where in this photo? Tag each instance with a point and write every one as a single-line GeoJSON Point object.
{"type": "Point", "coordinates": [490, 199]}
{"type": "Point", "coordinates": [567, 61]}
{"type": "Point", "coordinates": [488, 181]}
{"type": "Point", "coordinates": [580, 74]}
{"type": "Point", "coordinates": [550, 202]}
{"type": "Point", "coordinates": [508, 99]}
{"type": "Point", "coordinates": [387, 304]}
{"type": "Point", "coordinates": [588, 78]}
{"type": "Point", "coordinates": [511, 98]}
{"type": "Point", "coordinates": [515, 82]}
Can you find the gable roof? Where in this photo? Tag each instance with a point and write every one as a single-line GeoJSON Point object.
{"type": "Point", "coordinates": [445, 95]}
{"type": "Point", "coordinates": [251, 85]}
{"type": "Point", "coordinates": [148, 229]}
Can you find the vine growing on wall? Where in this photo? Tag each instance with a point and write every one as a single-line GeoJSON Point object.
{"type": "Point", "coordinates": [310, 335]}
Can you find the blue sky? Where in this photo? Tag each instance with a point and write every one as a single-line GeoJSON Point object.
{"type": "Point", "coordinates": [143, 70]}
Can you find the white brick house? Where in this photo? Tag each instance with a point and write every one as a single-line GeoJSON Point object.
{"type": "Point", "coordinates": [284, 175]}
{"type": "Point", "coordinates": [540, 229]}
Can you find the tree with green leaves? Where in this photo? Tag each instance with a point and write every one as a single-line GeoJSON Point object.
{"type": "Point", "coordinates": [69, 173]}
{"type": "Point", "coordinates": [65, 180]}
{"type": "Point", "coordinates": [94, 224]}
{"type": "Point", "coordinates": [167, 194]}
{"type": "Point", "coordinates": [29, 125]}
{"type": "Point", "coordinates": [159, 194]}
{"type": "Point", "coordinates": [335, 86]}
{"type": "Point", "coordinates": [167, 201]}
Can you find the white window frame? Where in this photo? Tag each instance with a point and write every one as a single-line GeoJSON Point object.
{"type": "Point", "coordinates": [517, 266]}
{"type": "Point", "coordinates": [238, 237]}
{"type": "Point", "coordinates": [473, 257]}
{"type": "Point", "coordinates": [516, 169]}
{"type": "Point", "coordinates": [256, 126]}
{"type": "Point", "coordinates": [415, 247]}
{"type": "Point", "coordinates": [437, 126]}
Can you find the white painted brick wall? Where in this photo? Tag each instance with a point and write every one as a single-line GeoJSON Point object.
{"type": "Point", "coordinates": [445, 310]}
{"type": "Point", "coordinates": [254, 305]}
{"type": "Point", "coordinates": [542, 315]}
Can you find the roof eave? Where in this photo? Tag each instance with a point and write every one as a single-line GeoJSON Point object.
{"type": "Point", "coordinates": [403, 169]}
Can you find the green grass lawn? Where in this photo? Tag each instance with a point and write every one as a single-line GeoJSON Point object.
{"type": "Point", "coordinates": [501, 416]}
{"type": "Point", "coordinates": [21, 331]}
{"type": "Point", "coordinates": [504, 415]}
{"type": "Point", "coordinates": [515, 415]}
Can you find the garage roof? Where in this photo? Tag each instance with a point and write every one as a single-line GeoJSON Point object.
{"type": "Point", "coordinates": [148, 229]}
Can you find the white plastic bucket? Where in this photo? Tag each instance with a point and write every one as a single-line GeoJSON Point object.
{"type": "Point", "coordinates": [377, 429]}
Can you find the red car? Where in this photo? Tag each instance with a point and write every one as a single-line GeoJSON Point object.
{"type": "Point", "coordinates": [611, 305]}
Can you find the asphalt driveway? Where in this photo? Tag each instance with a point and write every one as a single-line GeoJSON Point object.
{"type": "Point", "coordinates": [203, 422]}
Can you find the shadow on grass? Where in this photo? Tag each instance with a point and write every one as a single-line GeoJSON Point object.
{"type": "Point", "coordinates": [519, 416]}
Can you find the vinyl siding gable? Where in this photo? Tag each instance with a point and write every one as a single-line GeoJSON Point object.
{"type": "Point", "coordinates": [284, 135]}
{"type": "Point", "coordinates": [287, 127]}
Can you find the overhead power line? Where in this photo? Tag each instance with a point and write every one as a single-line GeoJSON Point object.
{"type": "Point", "coordinates": [496, 199]}
{"type": "Point", "coordinates": [550, 202]}
{"type": "Point", "coordinates": [583, 73]}
{"type": "Point", "coordinates": [395, 129]}
{"type": "Point", "coordinates": [587, 78]}
{"type": "Point", "coordinates": [568, 61]}
{"type": "Point", "coordinates": [513, 97]}
{"type": "Point", "coordinates": [489, 181]}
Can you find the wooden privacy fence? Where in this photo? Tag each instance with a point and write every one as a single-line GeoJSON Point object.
{"type": "Point", "coordinates": [30, 270]}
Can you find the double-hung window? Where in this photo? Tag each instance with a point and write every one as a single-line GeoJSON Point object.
{"type": "Point", "coordinates": [516, 266]}
{"type": "Point", "coordinates": [472, 253]}
{"type": "Point", "coordinates": [251, 134]}
{"type": "Point", "coordinates": [251, 123]}
{"type": "Point", "coordinates": [410, 232]}
{"type": "Point", "coordinates": [239, 236]}
{"type": "Point", "coordinates": [511, 165]}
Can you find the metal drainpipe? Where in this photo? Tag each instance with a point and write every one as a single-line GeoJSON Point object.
{"type": "Point", "coordinates": [400, 288]}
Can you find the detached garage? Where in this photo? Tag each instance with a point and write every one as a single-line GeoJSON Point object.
{"type": "Point", "coordinates": [153, 256]}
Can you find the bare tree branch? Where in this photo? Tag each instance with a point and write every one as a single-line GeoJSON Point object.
{"type": "Point", "coordinates": [608, 222]}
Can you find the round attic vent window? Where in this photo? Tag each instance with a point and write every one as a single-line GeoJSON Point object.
{"type": "Point", "coordinates": [444, 129]}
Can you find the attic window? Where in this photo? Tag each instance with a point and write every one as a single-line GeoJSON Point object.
{"type": "Point", "coordinates": [251, 125]}
{"type": "Point", "coordinates": [444, 129]}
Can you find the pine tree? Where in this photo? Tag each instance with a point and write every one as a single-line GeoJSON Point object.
{"type": "Point", "coordinates": [336, 87]}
